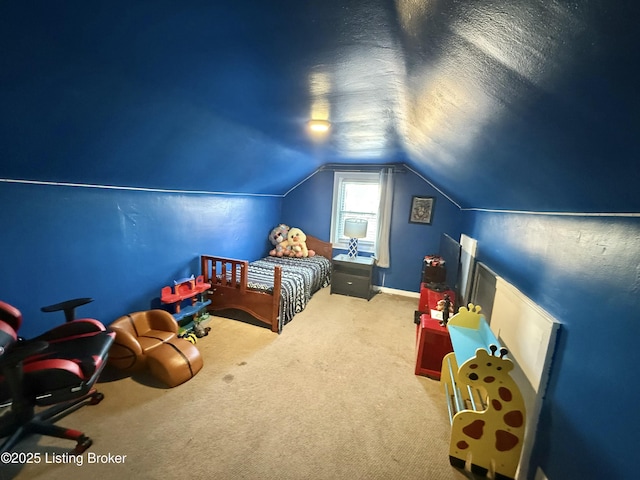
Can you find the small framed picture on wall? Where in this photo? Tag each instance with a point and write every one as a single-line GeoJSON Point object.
{"type": "Point", "coordinates": [421, 210]}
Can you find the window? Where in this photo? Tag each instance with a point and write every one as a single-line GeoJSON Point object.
{"type": "Point", "coordinates": [355, 195]}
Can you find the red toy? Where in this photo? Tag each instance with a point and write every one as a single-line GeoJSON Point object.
{"type": "Point", "coordinates": [184, 289]}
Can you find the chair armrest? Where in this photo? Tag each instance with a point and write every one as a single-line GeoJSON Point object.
{"type": "Point", "coordinates": [68, 306]}
{"type": "Point", "coordinates": [162, 320]}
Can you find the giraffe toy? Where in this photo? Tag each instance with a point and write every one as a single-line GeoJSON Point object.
{"type": "Point", "coordinates": [491, 439]}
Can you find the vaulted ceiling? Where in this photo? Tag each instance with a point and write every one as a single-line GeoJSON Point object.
{"type": "Point", "coordinates": [515, 105]}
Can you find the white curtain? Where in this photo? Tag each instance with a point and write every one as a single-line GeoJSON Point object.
{"type": "Point", "coordinates": [384, 217]}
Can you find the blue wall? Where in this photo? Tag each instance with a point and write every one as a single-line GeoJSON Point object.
{"type": "Point", "coordinates": [308, 206]}
{"type": "Point", "coordinates": [118, 246]}
{"type": "Point", "coordinates": [585, 271]}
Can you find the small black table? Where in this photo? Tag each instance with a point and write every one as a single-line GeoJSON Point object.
{"type": "Point", "coordinates": [352, 276]}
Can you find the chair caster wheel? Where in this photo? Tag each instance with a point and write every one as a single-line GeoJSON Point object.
{"type": "Point", "coordinates": [96, 398]}
{"type": "Point", "coordinates": [84, 442]}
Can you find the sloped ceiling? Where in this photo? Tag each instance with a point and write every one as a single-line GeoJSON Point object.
{"type": "Point", "coordinates": [515, 105]}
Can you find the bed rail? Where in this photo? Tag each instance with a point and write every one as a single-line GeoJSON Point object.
{"type": "Point", "coordinates": [227, 272]}
{"type": "Point", "coordinates": [229, 289]}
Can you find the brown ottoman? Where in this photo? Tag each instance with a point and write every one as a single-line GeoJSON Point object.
{"type": "Point", "coordinates": [174, 362]}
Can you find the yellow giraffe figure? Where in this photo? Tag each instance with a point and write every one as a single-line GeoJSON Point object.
{"type": "Point", "coordinates": [490, 439]}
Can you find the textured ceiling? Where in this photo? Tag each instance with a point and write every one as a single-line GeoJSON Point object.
{"type": "Point", "coordinates": [516, 105]}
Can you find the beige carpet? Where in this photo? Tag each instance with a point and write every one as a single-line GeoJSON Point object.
{"type": "Point", "coordinates": [333, 397]}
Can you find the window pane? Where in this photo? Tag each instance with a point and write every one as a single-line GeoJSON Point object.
{"type": "Point", "coordinates": [361, 198]}
{"type": "Point", "coordinates": [356, 195]}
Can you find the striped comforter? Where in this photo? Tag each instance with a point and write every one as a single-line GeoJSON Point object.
{"type": "Point", "coordinates": [301, 278]}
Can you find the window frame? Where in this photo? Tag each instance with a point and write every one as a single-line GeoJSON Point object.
{"type": "Point", "coordinates": [337, 217]}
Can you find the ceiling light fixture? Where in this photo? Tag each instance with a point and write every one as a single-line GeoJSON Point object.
{"type": "Point", "coordinates": [319, 126]}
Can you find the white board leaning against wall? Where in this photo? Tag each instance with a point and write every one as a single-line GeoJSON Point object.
{"type": "Point", "coordinates": [529, 333]}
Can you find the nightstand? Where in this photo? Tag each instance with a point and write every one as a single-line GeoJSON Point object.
{"type": "Point", "coordinates": [352, 276]}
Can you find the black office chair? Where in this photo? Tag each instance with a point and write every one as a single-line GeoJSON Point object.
{"type": "Point", "coordinates": [57, 369]}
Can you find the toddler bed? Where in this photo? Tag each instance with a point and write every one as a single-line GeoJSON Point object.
{"type": "Point", "coordinates": [272, 289]}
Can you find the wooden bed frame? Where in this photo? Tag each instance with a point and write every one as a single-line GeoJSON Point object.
{"type": "Point", "coordinates": [229, 290]}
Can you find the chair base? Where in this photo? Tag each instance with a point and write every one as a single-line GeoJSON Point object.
{"type": "Point", "coordinates": [18, 425]}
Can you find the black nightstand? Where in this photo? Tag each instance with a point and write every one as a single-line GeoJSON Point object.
{"type": "Point", "coordinates": [352, 276]}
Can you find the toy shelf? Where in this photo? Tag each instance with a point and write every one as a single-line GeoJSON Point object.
{"type": "Point", "coordinates": [486, 408]}
{"type": "Point", "coordinates": [467, 337]}
{"type": "Point", "coordinates": [191, 288]}
{"type": "Point", "coordinates": [190, 310]}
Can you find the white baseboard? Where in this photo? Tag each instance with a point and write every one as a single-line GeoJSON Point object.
{"type": "Point", "coordinates": [540, 475]}
{"type": "Point", "coordinates": [394, 291]}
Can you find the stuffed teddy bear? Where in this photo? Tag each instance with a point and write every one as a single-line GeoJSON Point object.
{"type": "Point", "coordinates": [298, 244]}
{"type": "Point", "coordinates": [279, 239]}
